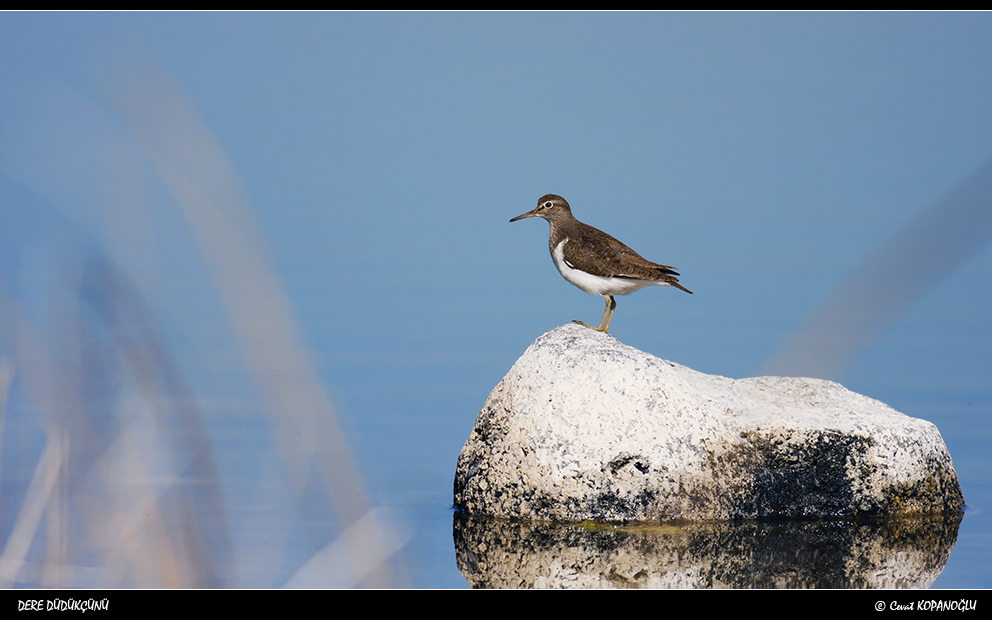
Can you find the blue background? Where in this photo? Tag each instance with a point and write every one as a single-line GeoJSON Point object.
{"type": "Point", "coordinates": [767, 156]}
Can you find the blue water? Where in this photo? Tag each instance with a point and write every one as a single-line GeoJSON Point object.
{"type": "Point", "coordinates": [364, 167]}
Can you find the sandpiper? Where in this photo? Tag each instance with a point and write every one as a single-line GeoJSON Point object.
{"type": "Point", "coordinates": [594, 261]}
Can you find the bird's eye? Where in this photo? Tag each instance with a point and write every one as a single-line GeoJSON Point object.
{"type": "Point", "coordinates": [547, 205]}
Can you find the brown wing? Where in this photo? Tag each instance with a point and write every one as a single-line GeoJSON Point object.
{"type": "Point", "coordinates": [600, 254]}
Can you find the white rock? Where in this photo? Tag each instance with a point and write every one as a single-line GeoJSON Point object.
{"type": "Point", "coordinates": [585, 427]}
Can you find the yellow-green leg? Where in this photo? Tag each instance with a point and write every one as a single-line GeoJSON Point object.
{"type": "Point", "coordinates": [604, 323]}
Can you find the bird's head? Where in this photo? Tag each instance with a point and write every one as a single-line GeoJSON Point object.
{"type": "Point", "coordinates": [551, 207]}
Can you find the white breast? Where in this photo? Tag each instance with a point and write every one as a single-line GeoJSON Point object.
{"type": "Point", "coordinates": [596, 285]}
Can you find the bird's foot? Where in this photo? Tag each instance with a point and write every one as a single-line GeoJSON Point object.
{"type": "Point", "coordinates": [595, 329]}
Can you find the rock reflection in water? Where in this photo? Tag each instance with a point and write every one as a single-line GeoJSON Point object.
{"type": "Point", "coordinates": [906, 552]}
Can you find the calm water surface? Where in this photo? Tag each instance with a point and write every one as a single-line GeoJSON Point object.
{"type": "Point", "coordinates": [257, 276]}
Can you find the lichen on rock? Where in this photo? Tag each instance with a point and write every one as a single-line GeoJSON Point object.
{"type": "Point", "coordinates": [585, 427]}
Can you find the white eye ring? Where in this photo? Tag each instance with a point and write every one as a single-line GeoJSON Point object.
{"type": "Point", "coordinates": [548, 204]}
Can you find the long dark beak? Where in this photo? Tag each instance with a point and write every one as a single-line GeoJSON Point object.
{"type": "Point", "coordinates": [523, 215]}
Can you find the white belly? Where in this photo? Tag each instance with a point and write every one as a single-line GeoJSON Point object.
{"type": "Point", "coordinates": [596, 285]}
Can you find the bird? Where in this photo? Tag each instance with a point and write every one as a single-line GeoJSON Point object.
{"type": "Point", "coordinates": [594, 261]}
